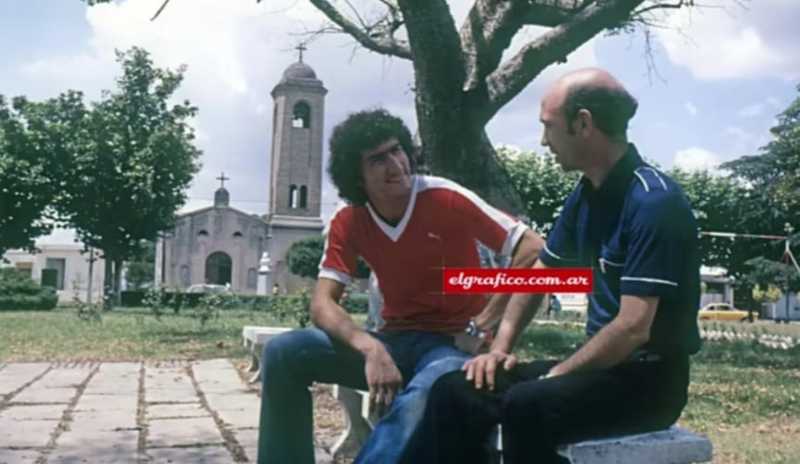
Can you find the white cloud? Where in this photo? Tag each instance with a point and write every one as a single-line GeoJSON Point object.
{"type": "Point", "coordinates": [728, 41]}
{"type": "Point", "coordinates": [691, 108]}
{"type": "Point", "coordinates": [696, 159]}
{"type": "Point", "coordinates": [751, 111]}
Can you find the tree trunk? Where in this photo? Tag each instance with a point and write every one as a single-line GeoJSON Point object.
{"type": "Point", "coordinates": [454, 140]}
{"type": "Point", "coordinates": [117, 296]}
{"type": "Point", "coordinates": [108, 277]}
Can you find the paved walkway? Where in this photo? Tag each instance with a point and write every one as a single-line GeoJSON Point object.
{"type": "Point", "coordinates": [173, 412]}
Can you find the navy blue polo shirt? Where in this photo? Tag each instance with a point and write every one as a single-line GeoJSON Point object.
{"type": "Point", "coordinates": [638, 234]}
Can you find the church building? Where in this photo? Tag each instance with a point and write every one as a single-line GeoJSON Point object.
{"type": "Point", "coordinates": [225, 246]}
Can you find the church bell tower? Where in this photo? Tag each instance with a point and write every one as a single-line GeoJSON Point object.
{"type": "Point", "coordinates": [296, 159]}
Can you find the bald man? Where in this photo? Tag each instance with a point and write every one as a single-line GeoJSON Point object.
{"type": "Point", "coordinates": [633, 226]}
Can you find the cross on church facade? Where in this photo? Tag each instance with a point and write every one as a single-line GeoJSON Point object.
{"type": "Point", "coordinates": [222, 179]}
{"type": "Point", "coordinates": [301, 48]}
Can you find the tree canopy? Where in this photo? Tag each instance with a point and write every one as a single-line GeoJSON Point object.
{"type": "Point", "coordinates": [25, 186]}
{"type": "Point", "coordinates": [461, 79]}
{"type": "Point", "coordinates": [116, 170]}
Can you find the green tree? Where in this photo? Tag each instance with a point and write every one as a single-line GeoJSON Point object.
{"type": "Point", "coordinates": [25, 187]}
{"type": "Point", "coordinates": [305, 255]}
{"type": "Point", "coordinates": [141, 267]}
{"type": "Point", "coordinates": [129, 176]}
{"type": "Point", "coordinates": [775, 172]}
{"type": "Point", "coordinates": [542, 184]}
{"type": "Point", "coordinates": [461, 79]}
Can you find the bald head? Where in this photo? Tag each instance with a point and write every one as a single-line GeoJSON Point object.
{"type": "Point", "coordinates": [600, 94]}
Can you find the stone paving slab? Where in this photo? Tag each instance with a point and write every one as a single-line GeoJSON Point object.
{"type": "Point", "coordinates": [240, 419]}
{"type": "Point", "coordinates": [65, 377]}
{"type": "Point", "coordinates": [108, 403]}
{"type": "Point", "coordinates": [183, 432]}
{"type": "Point", "coordinates": [242, 401]}
{"type": "Point", "coordinates": [97, 439]}
{"type": "Point", "coordinates": [26, 433]}
{"type": "Point", "coordinates": [100, 424]}
{"type": "Point", "coordinates": [37, 394]}
{"type": "Point", "coordinates": [203, 455]}
{"type": "Point", "coordinates": [33, 412]}
{"type": "Point", "coordinates": [162, 411]}
{"type": "Point", "coordinates": [171, 396]}
{"type": "Point", "coordinates": [102, 421]}
{"type": "Point", "coordinates": [249, 441]}
{"type": "Point", "coordinates": [8, 456]}
{"type": "Point", "coordinates": [95, 456]}
{"type": "Point", "coordinates": [15, 376]}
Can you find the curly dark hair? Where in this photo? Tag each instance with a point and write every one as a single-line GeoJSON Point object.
{"type": "Point", "coordinates": [362, 131]}
{"type": "Point", "coordinates": [611, 108]}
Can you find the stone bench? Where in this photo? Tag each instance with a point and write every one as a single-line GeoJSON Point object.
{"type": "Point", "coordinates": [254, 338]}
{"type": "Point", "coordinates": [675, 445]}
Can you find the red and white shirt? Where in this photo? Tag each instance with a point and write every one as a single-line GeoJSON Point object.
{"type": "Point", "coordinates": [439, 229]}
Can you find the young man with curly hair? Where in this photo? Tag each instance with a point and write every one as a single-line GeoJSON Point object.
{"type": "Point", "coordinates": [407, 227]}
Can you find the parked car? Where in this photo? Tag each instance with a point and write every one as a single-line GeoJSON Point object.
{"type": "Point", "coordinates": [208, 288]}
{"type": "Point", "coordinates": [723, 312]}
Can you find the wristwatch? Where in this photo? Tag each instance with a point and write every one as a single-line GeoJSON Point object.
{"type": "Point", "coordinates": [473, 330]}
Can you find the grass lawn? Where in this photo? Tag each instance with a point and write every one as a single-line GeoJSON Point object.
{"type": "Point", "coordinates": [744, 396]}
{"type": "Point", "coordinates": [121, 335]}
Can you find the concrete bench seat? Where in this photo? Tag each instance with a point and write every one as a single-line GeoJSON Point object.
{"type": "Point", "coordinates": [254, 338]}
{"type": "Point", "coordinates": [675, 445]}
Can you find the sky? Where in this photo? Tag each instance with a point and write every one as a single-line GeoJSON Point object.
{"type": "Point", "coordinates": [716, 77]}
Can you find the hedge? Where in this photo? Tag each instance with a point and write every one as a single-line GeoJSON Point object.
{"type": "Point", "coordinates": [18, 291]}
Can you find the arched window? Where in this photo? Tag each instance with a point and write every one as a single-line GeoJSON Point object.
{"type": "Point", "coordinates": [301, 115]}
{"type": "Point", "coordinates": [293, 196]}
{"type": "Point", "coordinates": [252, 278]}
{"type": "Point", "coordinates": [186, 278]}
{"type": "Point", "coordinates": [218, 268]}
{"type": "Point", "coordinates": [203, 233]}
{"type": "Point", "coordinates": [303, 196]}
{"type": "Point", "coordinates": [237, 234]}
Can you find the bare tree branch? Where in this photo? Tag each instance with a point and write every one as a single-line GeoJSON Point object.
{"type": "Point", "coordinates": [160, 9]}
{"type": "Point", "coordinates": [554, 46]}
{"type": "Point", "coordinates": [492, 24]}
{"type": "Point", "coordinates": [380, 41]}
{"type": "Point", "coordinates": [551, 13]}
{"type": "Point", "coordinates": [662, 6]}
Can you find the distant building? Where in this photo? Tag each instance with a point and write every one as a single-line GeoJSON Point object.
{"type": "Point", "coordinates": [63, 267]}
{"type": "Point", "coordinates": [717, 285]}
{"type": "Point", "coordinates": [783, 310]}
{"type": "Point", "coordinates": [222, 245]}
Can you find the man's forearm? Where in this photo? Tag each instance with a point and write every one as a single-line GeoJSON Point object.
{"type": "Point", "coordinates": [609, 347]}
{"type": "Point", "coordinates": [521, 309]}
{"type": "Point", "coordinates": [615, 342]}
{"type": "Point", "coordinates": [334, 320]}
{"type": "Point", "coordinates": [524, 256]}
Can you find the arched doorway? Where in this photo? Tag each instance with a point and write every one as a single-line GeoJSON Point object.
{"type": "Point", "coordinates": [218, 268]}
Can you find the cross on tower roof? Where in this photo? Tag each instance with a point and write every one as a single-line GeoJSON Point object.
{"type": "Point", "coordinates": [222, 179]}
{"type": "Point", "coordinates": [301, 48]}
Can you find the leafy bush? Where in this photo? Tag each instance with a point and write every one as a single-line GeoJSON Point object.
{"type": "Point", "coordinates": [18, 291]}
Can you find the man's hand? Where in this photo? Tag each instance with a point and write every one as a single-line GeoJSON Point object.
{"type": "Point", "coordinates": [481, 369]}
{"type": "Point", "coordinates": [383, 377]}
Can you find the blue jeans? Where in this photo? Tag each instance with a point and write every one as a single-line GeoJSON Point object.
{"type": "Point", "coordinates": [293, 361]}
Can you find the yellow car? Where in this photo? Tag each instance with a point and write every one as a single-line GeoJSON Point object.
{"type": "Point", "coordinates": [723, 312]}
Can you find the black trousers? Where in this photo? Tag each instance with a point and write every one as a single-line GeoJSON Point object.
{"type": "Point", "coordinates": [537, 415]}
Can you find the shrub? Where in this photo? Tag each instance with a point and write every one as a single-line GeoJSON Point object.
{"type": "Point", "coordinates": [18, 291]}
